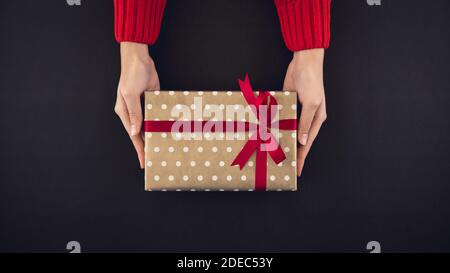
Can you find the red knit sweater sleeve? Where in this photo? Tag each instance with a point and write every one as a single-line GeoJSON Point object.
{"type": "Point", "coordinates": [305, 24]}
{"type": "Point", "coordinates": [138, 20]}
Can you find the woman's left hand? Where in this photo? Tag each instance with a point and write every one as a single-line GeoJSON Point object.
{"type": "Point", "coordinates": [305, 75]}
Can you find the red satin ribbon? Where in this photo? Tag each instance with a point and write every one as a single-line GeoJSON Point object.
{"type": "Point", "coordinates": [256, 143]}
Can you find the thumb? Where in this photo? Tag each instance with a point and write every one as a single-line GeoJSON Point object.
{"type": "Point", "coordinates": [289, 79]}
{"type": "Point", "coordinates": [133, 103]}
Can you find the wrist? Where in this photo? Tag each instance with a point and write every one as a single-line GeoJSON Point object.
{"type": "Point", "coordinates": [309, 62]}
{"type": "Point", "coordinates": [134, 51]}
{"type": "Point", "coordinates": [309, 57]}
{"type": "Point", "coordinates": [308, 65]}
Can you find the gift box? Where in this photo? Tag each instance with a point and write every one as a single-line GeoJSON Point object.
{"type": "Point", "coordinates": [220, 140]}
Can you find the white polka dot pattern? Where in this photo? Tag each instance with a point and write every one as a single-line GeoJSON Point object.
{"type": "Point", "coordinates": [202, 161]}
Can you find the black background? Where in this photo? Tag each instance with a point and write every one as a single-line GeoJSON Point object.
{"type": "Point", "coordinates": [379, 169]}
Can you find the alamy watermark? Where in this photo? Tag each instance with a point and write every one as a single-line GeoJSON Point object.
{"type": "Point", "coordinates": [373, 2]}
{"type": "Point", "coordinates": [374, 247]}
{"type": "Point", "coordinates": [73, 247]}
{"type": "Point", "coordinates": [73, 2]}
{"type": "Point", "coordinates": [223, 122]}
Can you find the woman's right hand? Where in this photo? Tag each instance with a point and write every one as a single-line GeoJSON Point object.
{"type": "Point", "coordinates": [138, 74]}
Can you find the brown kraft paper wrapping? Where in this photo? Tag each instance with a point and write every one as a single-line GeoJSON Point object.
{"type": "Point", "coordinates": [205, 165]}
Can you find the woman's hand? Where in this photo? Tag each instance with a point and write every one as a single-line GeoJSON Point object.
{"type": "Point", "coordinates": [305, 75]}
{"type": "Point", "coordinates": [138, 73]}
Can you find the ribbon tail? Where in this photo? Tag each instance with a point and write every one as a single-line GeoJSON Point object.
{"type": "Point", "coordinates": [261, 171]}
{"type": "Point", "coordinates": [245, 154]}
{"type": "Point", "coordinates": [275, 151]}
{"type": "Point", "coordinates": [277, 155]}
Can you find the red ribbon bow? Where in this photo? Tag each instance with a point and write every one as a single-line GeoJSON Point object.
{"type": "Point", "coordinates": [257, 143]}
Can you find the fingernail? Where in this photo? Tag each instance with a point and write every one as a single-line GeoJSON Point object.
{"type": "Point", "coordinates": [304, 139]}
{"type": "Point", "coordinates": [133, 130]}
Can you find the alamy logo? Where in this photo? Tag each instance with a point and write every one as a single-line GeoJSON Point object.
{"type": "Point", "coordinates": [374, 2]}
{"type": "Point", "coordinates": [73, 2]}
{"type": "Point", "coordinates": [374, 247]}
{"type": "Point", "coordinates": [223, 121]}
{"type": "Point", "coordinates": [74, 247]}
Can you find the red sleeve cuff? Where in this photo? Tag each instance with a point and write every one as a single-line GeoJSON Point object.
{"type": "Point", "coordinates": [138, 20]}
{"type": "Point", "coordinates": [305, 24]}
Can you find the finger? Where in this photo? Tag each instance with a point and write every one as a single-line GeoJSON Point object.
{"type": "Point", "coordinates": [306, 118]}
{"type": "Point", "coordinates": [138, 144]}
{"type": "Point", "coordinates": [122, 112]}
{"type": "Point", "coordinates": [133, 103]}
{"type": "Point", "coordinates": [303, 151]}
